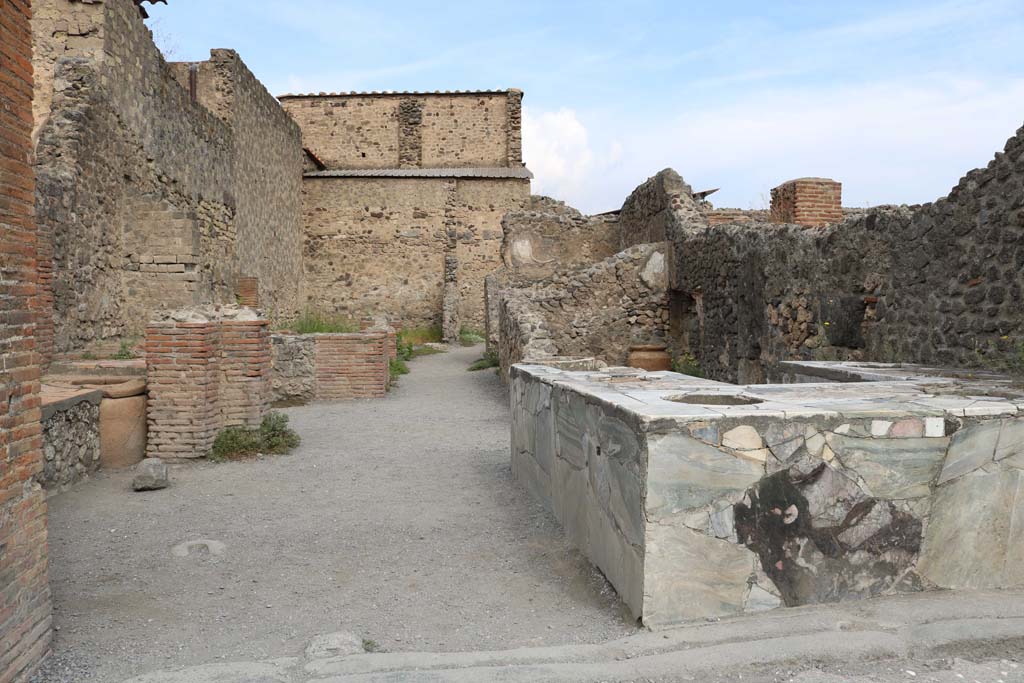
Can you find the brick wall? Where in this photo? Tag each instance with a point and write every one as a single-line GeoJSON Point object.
{"type": "Point", "coordinates": [24, 591]}
{"type": "Point", "coordinates": [351, 365]}
{"type": "Point", "coordinates": [206, 370]}
{"type": "Point", "coordinates": [245, 372]}
{"type": "Point", "coordinates": [811, 202]}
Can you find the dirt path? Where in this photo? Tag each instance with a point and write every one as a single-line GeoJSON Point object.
{"type": "Point", "coordinates": [396, 519]}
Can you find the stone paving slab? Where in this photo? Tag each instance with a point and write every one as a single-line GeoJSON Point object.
{"type": "Point", "coordinates": [888, 631]}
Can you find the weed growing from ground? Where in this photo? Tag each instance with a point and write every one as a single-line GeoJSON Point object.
{"type": "Point", "coordinates": [272, 437]}
{"type": "Point", "coordinates": [488, 360]}
{"type": "Point", "coordinates": [471, 337]}
{"type": "Point", "coordinates": [396, 368]}
{"type": "Point", "coordinates": [125, 352]}
{"type": "Point", "coordinates": [418, 336]}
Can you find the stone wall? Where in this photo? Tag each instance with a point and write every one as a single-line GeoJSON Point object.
{"type": "Point", "coordinates": [331, 367]}
{"type": "Point", "coordinates": [146, 198]}
{"type": "Point", "coordinates": [378, 245]}
{"type": "Point", "coordinates": [661, 209]}
{"type": "Point", "coordinates": [717, 216]}
{"type": "Point", "coordinates": [939, 283]}
{"type": "Point", "coordinates": [267, 163]}
{"type": "Point", "coordinates": [598, 311]}
{"type": "Point", "coordinates": [207, 368]}
{"type": "Point", "coordinates": [404, 200]}
{"type": "Point", "coordinates": [71, 439]}
{"type": "Point", "coordinates": [544, 237]}
{"type": "Point", "coordinates": [293, 368]}
{"type": "Point", "coordinates": [25, 608]}
{"type": "Point", "coordinates": [406, 130]}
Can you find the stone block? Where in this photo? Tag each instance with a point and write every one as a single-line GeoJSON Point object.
{"type": "Point", "coordinates": [688, 573]}
{"type": "Point", "coordinates": [969, 449]}
{"type": "Point", "coordinates": [893, 468]}
{"type": "Point", "coordinates": [122, 431]}
{"type": "Point", "coordinates": [684, 473]}
{"type": "Point", "coordinates": [975, 535]}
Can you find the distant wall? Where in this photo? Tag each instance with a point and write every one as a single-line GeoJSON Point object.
{"type": "Point", "coordinates": [147, 199]}
{"type": "Point", "coordinates": [25, 608]}
{"type": "Point", "coordinates": [406, 130]}
{"type": "Point", "coordinates": [403, 200]}
{"type": "Point", "coordinates": [937, 284]}
{"type": "Point", "coordinates": [378, 245]}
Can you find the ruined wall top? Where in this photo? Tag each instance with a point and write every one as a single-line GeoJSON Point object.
{"type": "Point", "coordinates": [658, 209]}
{"type": "Point", "coordinates": [410, 130]}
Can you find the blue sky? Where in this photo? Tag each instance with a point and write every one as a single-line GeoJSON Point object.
{"type": "Point", "coordinates": [897, 100]}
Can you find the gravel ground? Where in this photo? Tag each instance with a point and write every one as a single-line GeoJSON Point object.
{"type": "Point", "coordinates": [396, 519]}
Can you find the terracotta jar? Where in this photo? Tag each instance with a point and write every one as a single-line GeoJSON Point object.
{"type": "Point", "coordinates": [651, 357]}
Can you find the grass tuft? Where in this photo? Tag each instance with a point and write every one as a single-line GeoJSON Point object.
{"type": "Point", "coordinates": [397, 368]}
{"type": "Point", "coordinates": [273, 436]}
{"type": "Point", "coordinates": [471, 337]}
{"type": "Point", "coordinates": [125, 352]}
{"type": "Point", "coordinates": [418, 336]}
{"type": "Point", "coordinates": [488, 360]}
{"type": "Point", "coordinates": [687, 364]}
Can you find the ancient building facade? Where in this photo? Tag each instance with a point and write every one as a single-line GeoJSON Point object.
{"type": "Point", "coordinates": [937, 284]}
{"type": "Point", "coordinates": [24, 591]}
{"type": "Point", "coordinates": [403, 199]}
{"type": "Point", "coordinates": [159, 185]}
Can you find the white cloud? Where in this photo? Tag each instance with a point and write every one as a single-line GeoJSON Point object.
{"type": "Point", "coordinates": [886, 142]}
{"type": "Point", "coordinates": [557, 149]}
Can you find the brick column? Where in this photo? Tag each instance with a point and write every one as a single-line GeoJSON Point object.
{"type": "Point", "coordinates": [25, 608]}
{"type": "Point", "coordinates": [248, 291]}
{"type": "Point", "coordinates": [811, 202]}
{"type": "Point", "coordinates": [245, 372]}
{"type": "Point", "coordinates": [351, 365]}
{"type": "Point", "coordinates": [209, 368]}
{"type": "Point", "coordinates": [183, 374]}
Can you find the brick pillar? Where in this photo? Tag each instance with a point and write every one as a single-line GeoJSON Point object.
{"type": "Point", "coordinates": [245, 372]}
{"type": "Point", "coordinates": [392, 348]}
{"type": "Point", "coordinates": [183, 375]}
{"type": "Point", "coordinates": [248, 292]}
{"type": "Point", "coordinates": [351, 365]}
{"type": "Point", "coordinates": [811, 202]}
{"type": "Point", "coordinates": [25, 608]}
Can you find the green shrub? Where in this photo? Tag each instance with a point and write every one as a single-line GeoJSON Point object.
{"type": "Point", "coordinates": [315, 323]}
{"type": "Point", "coordinates": [397, 368]}
{"type": "Point", "coordinates": [418, 336]}
{"type": "Point", "coordinates": [687, 364]}
{"type": "Point", "coordinates": [488, 360]}
{"type": "Point", "coordinates": [272, 437]}
{"type": "Point", "coordinates": [471, 337]}
{"type": "Point", "coordinates": [125, 352]}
